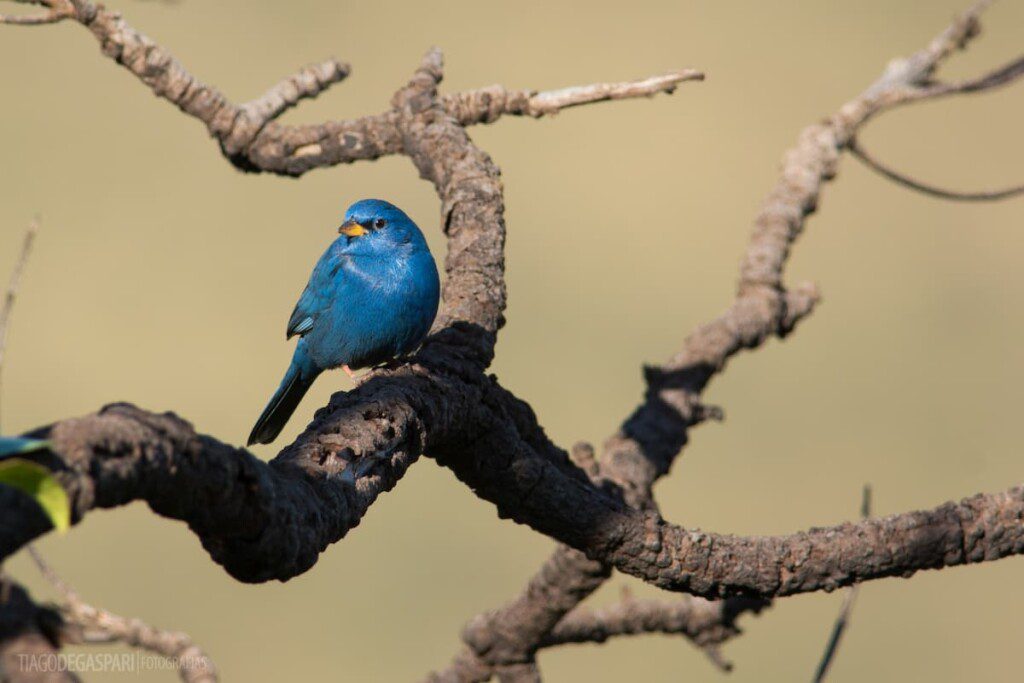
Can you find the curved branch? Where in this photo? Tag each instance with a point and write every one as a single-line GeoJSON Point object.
{"type": "Point", "coordinates": [706, 623]}
{"type": "Point", "coordinates": [248, 513]}
{"type": "Point", "coordinates": [259, 520]}
{"type": "Point", "coordinates": [271, 520]}
{"type": "Point", "coordinates": [390, 418]}
{"type": "Point", "coordinates": [646, 445]}
{"type": "Point", "coordinates": [562, 583]}
{"type": "Point", "coordinates": [531, 488]}
{"type": "Point", "coordinates": [472, 204]}
{"type": "Point", "coordinates": [874, 164]}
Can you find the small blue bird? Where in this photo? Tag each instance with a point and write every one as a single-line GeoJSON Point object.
{"type": "Point", "coordinates": [372, 296]}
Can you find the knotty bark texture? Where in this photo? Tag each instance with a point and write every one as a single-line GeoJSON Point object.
{"type": "Point", "coordinates": [649, 440]}
{"type": "Point", "coordinates": [264, 521]}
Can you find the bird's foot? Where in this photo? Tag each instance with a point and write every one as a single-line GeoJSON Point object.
{"type": "Point", "coordinates": [356, 379]}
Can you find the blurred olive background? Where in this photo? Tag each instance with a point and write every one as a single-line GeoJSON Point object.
{"type": "Point", "coordinates": [164, 277]}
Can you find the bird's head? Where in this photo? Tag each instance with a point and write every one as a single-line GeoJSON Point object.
{"type": "Point", "coordinates": [373, 226]}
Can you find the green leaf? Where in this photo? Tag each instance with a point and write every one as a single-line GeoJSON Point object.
{"type": "Point", "coordinates": [38, 482]}
{"type": "Point", "coordinates": [13, 445]}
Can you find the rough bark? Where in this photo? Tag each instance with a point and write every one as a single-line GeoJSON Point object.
{"type": "Point", "coordinates": [651, 438]}
{"type": "Point", "coordinates": [266, 521]}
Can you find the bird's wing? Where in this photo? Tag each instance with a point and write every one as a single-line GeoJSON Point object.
{"type": "Point", "coordinates": [315, 298]}
{"type": "Point", "coordinates": [299, 324]}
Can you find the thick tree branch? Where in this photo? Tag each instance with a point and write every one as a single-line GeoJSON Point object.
{"type": "Point", "coordinates": [535, 490]}
{"type": "Point", "coordinates": [265, 521]}
{"type": "Point", "coordinates": [249, 530]}
{"type": "Point", "coordinates": [646, 445]}
{"type": "Point", "coordinates": [260, 521]}
{"type": "Point", "coordinates": [839, 627]}
{"type": "Point", "coordinates": [248, 523]}
{"type": "Point", "coordinates": [272, 521]}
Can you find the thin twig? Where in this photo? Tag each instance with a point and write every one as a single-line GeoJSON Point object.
{"type": "Point", "coordinates": [844, 612]}
{"type": "Point", "coordinates": [15, 282]}
{"type": "Point", "coordinates": [307, 83]}
{"type": "Point", "coordinates": [58, 11]}
{"type": "Point", "coordinates": [552, 101]}
{"type": "Point", "coordinates": [486, 105]}
{"type": "Point", "coordinates": [706, 623]}
{"type": "Point", "coordinates": [51, 17]}
{"type": "Point", "coordinates": [51, 576]}
{"type": "Point", "coordinates": [982, 196]}
{"type": "Point", "coordinates": [996, 78]}
{"type": "Point", "coordinates": [86, 624]}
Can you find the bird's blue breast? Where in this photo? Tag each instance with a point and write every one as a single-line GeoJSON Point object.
{"type": "Point", "coordinates": [372, 296]}
{"type": "Point", "coordinates": [369, 308]}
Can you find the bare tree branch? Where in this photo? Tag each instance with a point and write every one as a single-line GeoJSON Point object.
{"type": "Point", "coordinates": [58, 11]}
{"type": "Point", "coordinates": [231, 505]}
{"type": "Point", "coordinates": [85, 624]}
{"type": "Point", "coordinates": [595, 521]}
{"type": "Point", "coordinates": [983, 196]}
{"type": "Point", "coordinates": [14, 284]}
{"type": "Point", "coordinates": [264, 521]}
{"type": "Point", "coordinates": [707, 623]}
{"type": "Point", "coordinates": [847, 608]}
{"type": "Point", "coordinates": [487, 105]}
{"type": "Point", "coordinates": [77, 622]}
{"type": "Point", "coordinates": [306, 84]}
{"type": "Point", "coordinates": [26, 629]}
{"type": "Point", "coordinates": [28, 632]}
{"type": "Point", "coordinates": [927, 88]}
{"type": "Point", "coordinates": [252, 140]}
{"type": "Point", "coordinates": [561, 584]}
{"type": "Point", "coordinates": [646, 445]}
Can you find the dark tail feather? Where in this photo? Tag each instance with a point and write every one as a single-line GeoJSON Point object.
{"type": "Point", "coordinates": [282, 405]}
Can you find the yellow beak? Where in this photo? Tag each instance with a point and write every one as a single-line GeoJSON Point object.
{"type": "Point", "coordinates": [351, 229]}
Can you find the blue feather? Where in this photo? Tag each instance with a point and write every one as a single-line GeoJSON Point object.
{"type": "Point", "coordinates": [303, 326]}
{"type": "Point", "coordinates": [372, 296]}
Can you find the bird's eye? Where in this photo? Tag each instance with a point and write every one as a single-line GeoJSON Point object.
{"type": "Point", "coordinates": [379, 223]}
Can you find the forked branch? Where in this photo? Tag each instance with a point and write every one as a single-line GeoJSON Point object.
{"type": "Point", "coordinates": [650, 439]}
{"type": "Point", "coordinates": [271, 520]}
